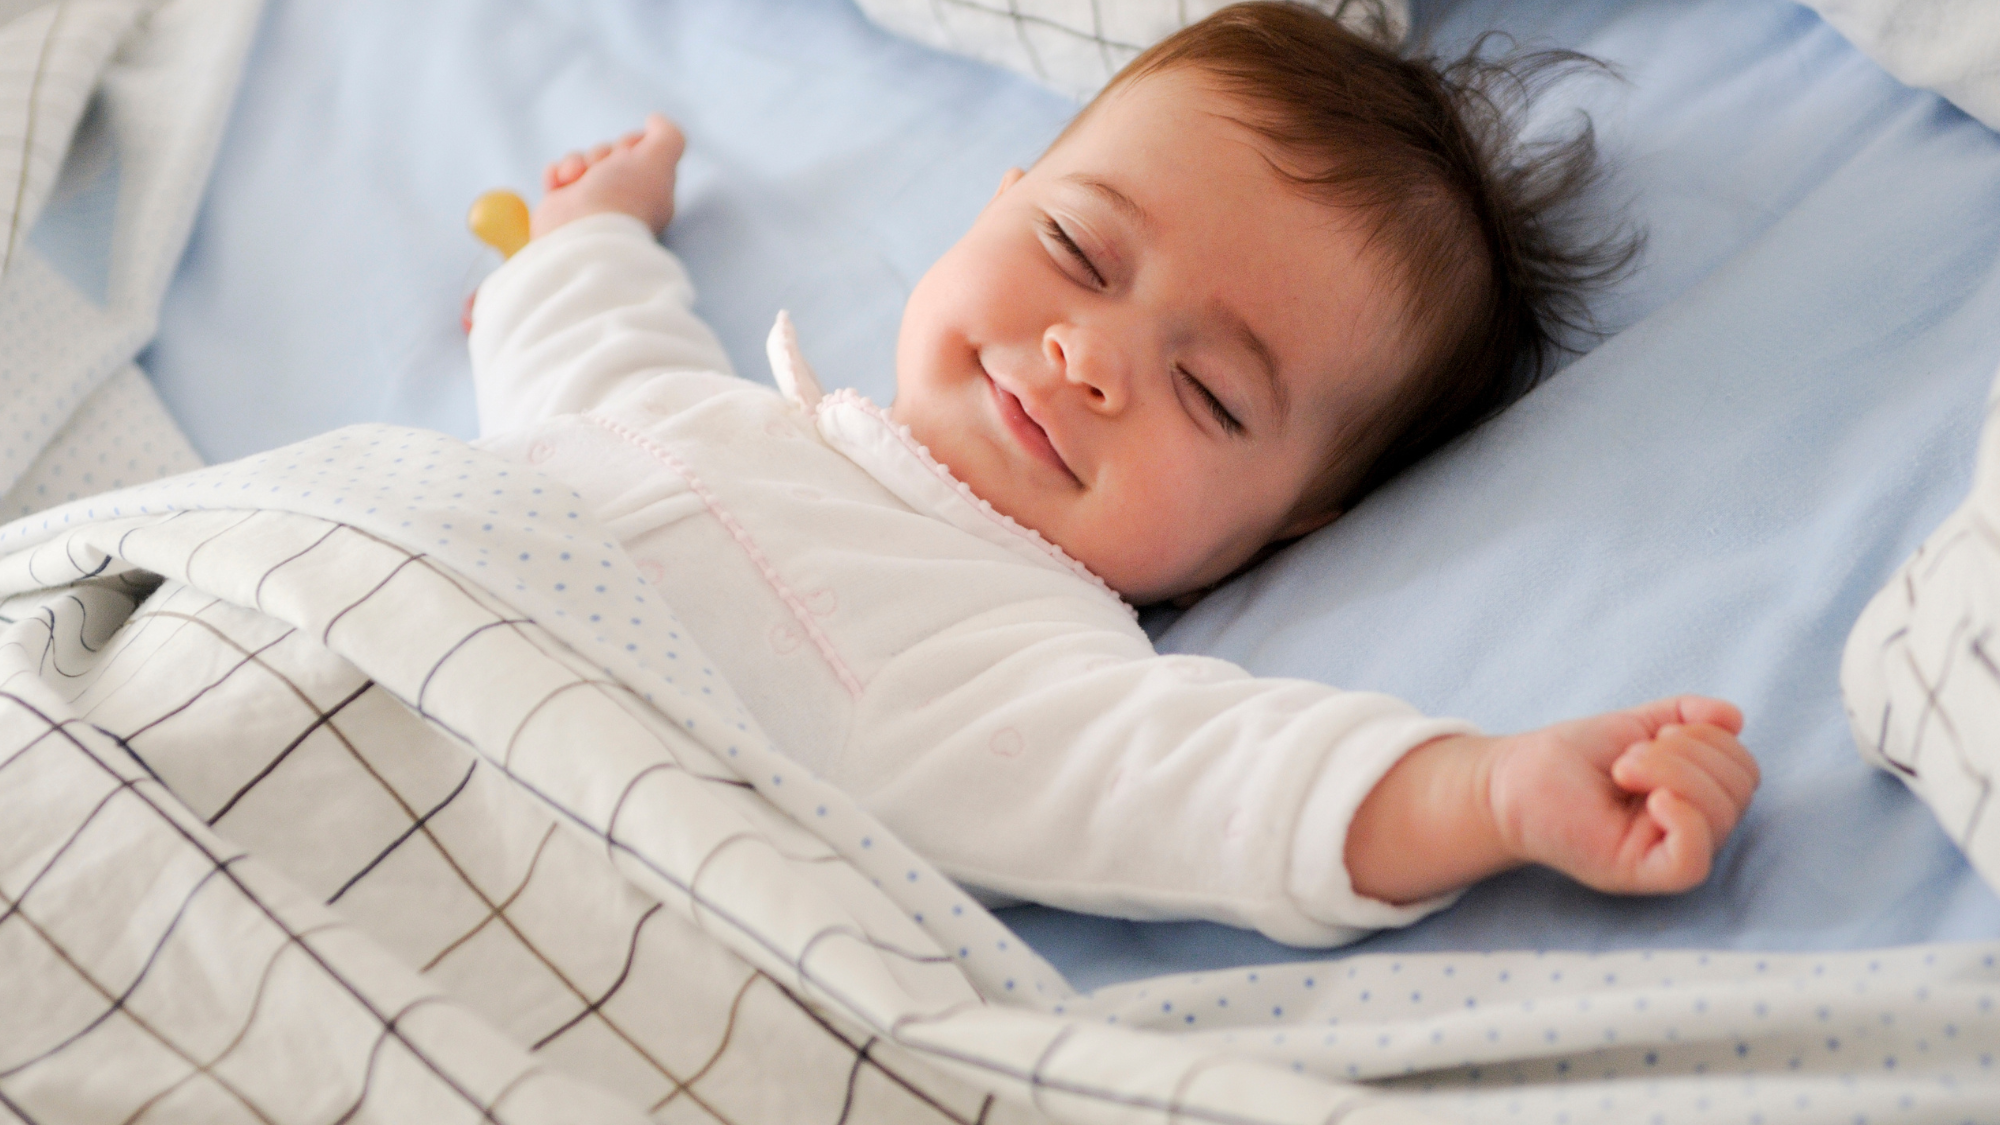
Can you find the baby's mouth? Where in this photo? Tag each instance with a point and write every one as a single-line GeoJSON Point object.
{"type": "Point", "coordinates": [1025, 430]}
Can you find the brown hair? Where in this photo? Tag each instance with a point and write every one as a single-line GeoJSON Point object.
{"type": "Point", "coordinates": [1495, 280]}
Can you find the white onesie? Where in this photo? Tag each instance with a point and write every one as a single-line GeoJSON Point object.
{"type": "Point", "coordinates": [982, 693]}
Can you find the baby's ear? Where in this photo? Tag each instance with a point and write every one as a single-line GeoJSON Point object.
{"type": "Point", "coordinates": [1012, 177]}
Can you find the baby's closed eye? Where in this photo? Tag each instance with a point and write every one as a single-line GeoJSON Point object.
{"type": "Point", "coordinates": [1229, 423]}
{"type": "Point", "coordinates": [1062, 239]}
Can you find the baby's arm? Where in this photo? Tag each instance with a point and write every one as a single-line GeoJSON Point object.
{"type": "Point", "coordinates": [593, 305]}
{"type": "Point", "coordinates": [1631, 802]}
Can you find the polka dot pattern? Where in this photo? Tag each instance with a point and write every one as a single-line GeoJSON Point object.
{"type": "Point", "coordinates": [1888, 1035]}
{"type": "Point", "coordinates": [119, 435]}
{"type": "Point", "coordinates": [75, 417]}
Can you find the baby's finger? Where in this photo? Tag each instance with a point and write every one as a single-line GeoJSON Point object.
{"type": "Point", "coordinates": [599, 152]}
{"type": "Point", "coordinates": [1672, 762]}
{"type": "Point", "coordinates": [1686, 709]}
{"type": "Point", "coordinates": [1677, 763]}
{"type": "Point", "coordinates": [663, 133]}
{"type": "Point", "coordinates": [1682, 856]}
{"type": "Point", "coordinates": [1717, 753]}
{"type": "Point", "coordinates": [1699, 709]}
{"type": "Point", "coordinates": [1727, 759]}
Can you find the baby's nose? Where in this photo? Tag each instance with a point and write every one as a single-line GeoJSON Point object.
{"type": "Point", "coordinates": [1091, 363]}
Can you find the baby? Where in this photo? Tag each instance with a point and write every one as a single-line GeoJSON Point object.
{"type": "Point", "coordinates": [1206, 321]}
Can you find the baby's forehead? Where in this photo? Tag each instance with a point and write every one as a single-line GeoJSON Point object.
{"type": "Point", "coordinates": [1194, 87]}
{"type": "Point", "coordinates": [1279, 150]}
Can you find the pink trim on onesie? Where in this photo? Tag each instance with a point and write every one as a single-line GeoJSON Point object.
{"type": "Point", "coordinates": [847, 396]}
{"type": "Point", "coordinates": [792, 601]}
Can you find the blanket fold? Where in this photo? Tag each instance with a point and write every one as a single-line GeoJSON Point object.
{"type": "Point", "coordinates": [125, 96]}
{"type": "Point", "coordinates": [431, 708]}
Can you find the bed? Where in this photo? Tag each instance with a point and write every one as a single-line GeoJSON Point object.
{"type": "Point", "coordinates": [1786, 403]}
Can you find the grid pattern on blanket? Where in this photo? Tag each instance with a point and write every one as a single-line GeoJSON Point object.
{"type": "Point", "coordinates": [552, 902]}
{"type": "Point", "coordinates": [1050, 43]}
{"type": "Point", "coordinates": [1073, 46]}
{"type": "Point", "coordinates": [1921, 671]}
{"type": "Point", "coordinates": [422, 851]}
{"type": "Point", "coordinates": [241, 960]}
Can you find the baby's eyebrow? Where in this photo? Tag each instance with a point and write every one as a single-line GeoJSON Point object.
{"type": "Point", "coordinates": [1118, 200]}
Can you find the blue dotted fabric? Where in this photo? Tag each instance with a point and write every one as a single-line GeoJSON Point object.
{"type": "Point", "coordinates": [1895, 1035]}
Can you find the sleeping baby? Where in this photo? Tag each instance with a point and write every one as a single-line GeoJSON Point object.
{"type": "Point", "coordinates": [1270, 265]}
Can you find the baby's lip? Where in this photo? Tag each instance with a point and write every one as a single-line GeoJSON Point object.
{"type": "Point", "coordinates": [1027, 430]}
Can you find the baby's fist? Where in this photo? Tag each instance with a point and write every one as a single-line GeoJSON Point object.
{"type": "Point", "coordinates": [1631, 802]}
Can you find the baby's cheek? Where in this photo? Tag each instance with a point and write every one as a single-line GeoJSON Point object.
{"type": "Point", "coordinates": [1149, 546]}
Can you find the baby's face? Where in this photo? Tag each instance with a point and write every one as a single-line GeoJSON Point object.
{"type": "Point", "coordinates": [1144, 346]}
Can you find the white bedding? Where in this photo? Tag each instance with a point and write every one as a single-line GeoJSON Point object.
{"type": "Point", "coordinates": [1950, 46]}
{"type": "Point", "coordinates": [76, 413]}
{"type": "Point", "coordinates": [1834, 411]}
{"type": "Point", "coordinates": [1075, 46]}
{"type": "Point", "coordinates": [1920, 673]}
{"type": "Point", "coordinates": [327, 792]}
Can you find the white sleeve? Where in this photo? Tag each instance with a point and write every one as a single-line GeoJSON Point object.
{"type": "Point", "coordinates": [580, 314]}
{"type": "Point", "coordinates": [1072, 766]}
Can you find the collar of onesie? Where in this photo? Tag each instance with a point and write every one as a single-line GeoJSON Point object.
{"type": "Point", "coordinates": [887, 451]}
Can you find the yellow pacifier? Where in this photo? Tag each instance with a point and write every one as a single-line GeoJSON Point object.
{"type": "Point", "coordinates": [500, 220]}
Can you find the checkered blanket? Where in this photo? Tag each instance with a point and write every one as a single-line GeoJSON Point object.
{"type": "Point", "coordinates": [368, 779]}
{"type": "Point", "coordinates": [369, 776]}
{"type": "Point", "coordinates": [1075, 46]}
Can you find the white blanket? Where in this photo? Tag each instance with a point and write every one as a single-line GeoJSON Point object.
{"type": "Point", "coordinates": [531, 837]}
{"type": "Point", "coordinates": [1950, 46]}
{"type": "Point", "coordinates": [330, 786]}
{"type": "Point", "coordinates": [1075, 46]}
{"type": "Point", "coordinates": [1921, 671]}
{"type": "Point", "coordinates": [139, 89]}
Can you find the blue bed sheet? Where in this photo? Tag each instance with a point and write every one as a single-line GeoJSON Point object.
{"type": "Point", "coordinates": [1702, 503]}
{"type": "Point", "coordinates": [828, 164]}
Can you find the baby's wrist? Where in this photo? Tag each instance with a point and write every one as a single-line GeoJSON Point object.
{"type": "Point", "coordinates": [552, 215]}
{"type": "Point", "coordinates": [1429, 826]}
{"type": "Point", "coordinates": [1484, 835]}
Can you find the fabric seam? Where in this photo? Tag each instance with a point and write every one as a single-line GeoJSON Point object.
{"type": "Point", "coordinates": [745, 541]}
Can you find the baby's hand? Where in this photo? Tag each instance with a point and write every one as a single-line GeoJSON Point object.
{"type": "Point", "coordinates": [1633, 802]}
{"type": "Point", "coordinates": [633, 175]}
